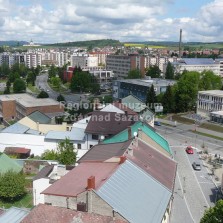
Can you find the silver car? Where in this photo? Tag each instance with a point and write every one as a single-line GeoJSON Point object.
{"type": "Point", "coordinates": [196, 166]}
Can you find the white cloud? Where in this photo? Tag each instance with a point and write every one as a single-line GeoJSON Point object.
{"type": "Point", "coordinates": [124, 20]}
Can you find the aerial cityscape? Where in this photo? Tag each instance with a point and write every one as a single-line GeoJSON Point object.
{"type": "Point", "coordinates": [111, 111]}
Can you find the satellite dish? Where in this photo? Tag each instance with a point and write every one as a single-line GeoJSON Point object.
{"type": "Point", "coordinates": [135, 134]}
{"type": "Point", "coordinates": [102, 137]}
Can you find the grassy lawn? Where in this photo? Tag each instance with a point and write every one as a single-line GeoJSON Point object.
{"type": "Point", "coordinates": [34, 89]}
{"type": "Point", "coordinates": [26, 202]}
{"type": "Point", "coordinates": [183, 120]}
{"type": "Point", "coordinates": [212, 127]}
{"type": "Point", "coordinates": [208, 135]}
{"type": "Point", "coordinates": [61, 90]}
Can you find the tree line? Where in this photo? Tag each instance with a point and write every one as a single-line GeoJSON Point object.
{"type": "Point", "coordinates": [182, 96]}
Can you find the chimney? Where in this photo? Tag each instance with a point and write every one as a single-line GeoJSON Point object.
{"type": "Point", "coordinates": [91, 182]}
{"type": "Point", "coordinates": [122, 159]}
{"type": "Point", "coordinates": [140, 133]}
{"type": "Point", "coordinates": [129, 132]}
{"type": "Point", "coordinates": [120, 100]}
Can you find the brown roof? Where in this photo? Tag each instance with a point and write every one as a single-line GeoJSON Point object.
{"type": "Point", "coordinates": [159, 166]}
{"type": "Point", "coordinates": [44, 172]}
{"type": "Point", "coordinates": [124, 108]}
{"type": "Point", "coordinates": [75, 182]}
{"type": "Point", "coordinates": [109, 123]}
{"type": "Point", "coordinates": [102, 152]}
{"type": "Point", "coordinates": [50, 214]}
{"type": "Point", "coordinates": [18, 150]}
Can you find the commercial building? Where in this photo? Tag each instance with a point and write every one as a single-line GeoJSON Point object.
{"type": "Point", "coordinates": [17, 106]}
{"type": "Point", "coordinates": [138, 87]}
{"type": "Point", "coordinates": [122, 64]}
{"type": "Point", "coordinates": [197, 64]}
{"type": "Point", "coordinates": [209, 102]}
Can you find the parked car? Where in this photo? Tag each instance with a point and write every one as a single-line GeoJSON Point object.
{"type": "Point", "coordinates": [190, 150]}
{"type": "Point", "coordinates": [196, 166]}
{"type": "Point", "coordinates": [157, 123]}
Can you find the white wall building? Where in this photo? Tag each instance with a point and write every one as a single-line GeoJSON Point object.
{"type": "Point", "coordinates": [209, 101]}
{"type": "Point", "coordinates": [196, 64]}
{"type": "Point", "coordinates": [84, 60]}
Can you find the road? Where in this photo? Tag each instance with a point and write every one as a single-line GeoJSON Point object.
{"type": "Point", "coordinates": [41, 83]}
{"type": "Point", "coordinates": [194, 190]}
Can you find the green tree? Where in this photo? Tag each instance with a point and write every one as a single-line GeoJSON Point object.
{"type": "Point", "coordinates": [13, 76]}
{"type": "Point", "coordinates": [80, 81]}
{"type": "Point", "coordinates": [31, 78]}
{"type": "Point", "coordinates": [19, 86]}
{"type": "Point", "coordinates": [214, 214]}
{"type": "Point", "coordinates": [56, 82]}
{"type": "Point", "coordinates": [66, 153]}
{"type": "Point", "coordinates": [108, 99]}
{"type": "Point", "coordinates": [43, 94]}
{"type": "Point", "coordinates": [5, 70]}
{"type": "Point", "coordinates": [153, 72]}
{"type": "Point", "coordinates": [61, 98]}
{"type": "Point", "coordinates": [186, 91]}
{"type": "Point", "coordinates": [151, 98]}
{"type": "Point", "coordinates": [169, 71]}
{"type": "Point", "coordinates": [168, 100]}
{"type": "Point", "coordinates": [209, 81]}
{"type": "Point", "coordinates": [52, 71]}
{"type": "Point", "coordinates": [12, 186]}
{"type": "Point", "coordinates": [49, 155]}
{"type": "Point", "coordinates": [134, 74]}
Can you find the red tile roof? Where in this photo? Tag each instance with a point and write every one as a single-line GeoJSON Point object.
{"type": "Point", "coordinates": [18, 150]}
{"type": "Point", "coordinates": [159, 166]}
{"type": "Point", "coordinates": [50, 214]}
{"type": "Point", "coordinates": [75, 182]}
{"type": "Point", "coordinates": [109, 123]}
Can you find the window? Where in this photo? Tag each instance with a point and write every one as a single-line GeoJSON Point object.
{"type": "Point", "coordinates": [95, 137]}
{"type": "Point", "coordinates": [78, 146]}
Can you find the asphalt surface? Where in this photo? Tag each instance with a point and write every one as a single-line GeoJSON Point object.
{"type": "Point", "coordinates": [194, 190]}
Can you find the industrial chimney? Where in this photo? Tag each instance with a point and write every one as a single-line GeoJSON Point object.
{"type": "Point", "coordinates": [180, 43]}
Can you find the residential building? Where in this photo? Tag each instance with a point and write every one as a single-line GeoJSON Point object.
{"type": "Point", "coordinates": [33, 60]}
{"type": "Point", "coordinates": [97, 185]}
{"type": "Point", "coordinates": [101, 56]}
{"type": "Point", "coordinates": [138, 87]}
{"type": "Point", "coordinates": [217, 117]}
{"type": "Point", "coordinates": [84, 60]}
{"type": "Point", "coordinates": [144, 132]}
{"type": "Point", "coordinates": [46, 213]}
{"type": "Point", "coordinates": [159, 61]}
{"type": "Point", "coordinates": [209, 101]}
{"type": "Point", "coordinates": [17, 106]}
{"type": "Point", "coordinates": [122, 64]}
{"type": "Point", "coordinates": [140, 108]}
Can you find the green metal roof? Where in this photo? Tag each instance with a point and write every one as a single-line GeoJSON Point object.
{"type": "Point", "coordinates": [6, 164]}
{"type": "Point", "coordinates": [38, 116]}
{"type": "Point", "coordinates": [123, 136]}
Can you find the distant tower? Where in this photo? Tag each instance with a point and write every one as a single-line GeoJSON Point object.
{"type": "Point", "coordinates": [180, 42]}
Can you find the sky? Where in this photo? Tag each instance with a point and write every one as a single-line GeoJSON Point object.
{"type": "Point", "coordinates": [54, 21]}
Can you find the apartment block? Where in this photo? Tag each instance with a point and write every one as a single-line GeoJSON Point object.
{"type": "Point", "coordinates": [122, 64]}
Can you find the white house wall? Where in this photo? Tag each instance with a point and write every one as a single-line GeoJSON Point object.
{"type": "Point", "coordinates": [33, 142]}
{"type": "Point", "coordinates": [39, 186]}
